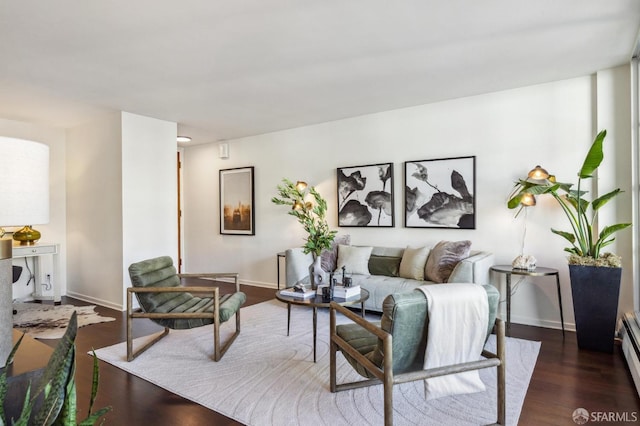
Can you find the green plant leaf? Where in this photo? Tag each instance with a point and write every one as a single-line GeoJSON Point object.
{"type": "Point", "coordinates": [604, 199]}
{"type": "Point", "coordinates": [566, 235]}
{"type": "Point", "coordinates": [610, 230]}
{"type": "Point", "coordinates": [594, 157]}
{"type": "Point", "coordinates": [56, 376]}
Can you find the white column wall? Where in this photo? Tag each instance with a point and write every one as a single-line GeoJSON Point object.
{"type": "Point", "coordinates": [55, 231]}
{"type": "Point", "coordinates": [94, 210]}
{"type": "Point", "coordinates": [614, 114]}
{"type": "Point", "coordinates": [509, 133]}
{"type": "Point", "coordinates": [149, 190]}
{"type": "Point", "coordinates": [121, 202]}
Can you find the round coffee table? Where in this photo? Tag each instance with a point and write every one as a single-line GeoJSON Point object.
{"type": "Point", "coordinates": [316, 302]}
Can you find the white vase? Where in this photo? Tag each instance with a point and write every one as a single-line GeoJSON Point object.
{"type": "Point", "coordinates": [316, 274]}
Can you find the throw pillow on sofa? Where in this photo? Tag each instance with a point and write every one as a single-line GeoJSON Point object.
{"type": "Point", "coordinates": [388, 266]}
{"type": "Point", "coordinates": [444, 257]}
{"type": "Point", "coordinates": [330, 257]}
{"type": "Point", "coordinates": [354, 259]}
{"type": "Point", "coordinates": [413, 263]}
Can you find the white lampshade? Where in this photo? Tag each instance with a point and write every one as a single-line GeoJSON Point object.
{"type": "Point", "coordinates": [24, 182]}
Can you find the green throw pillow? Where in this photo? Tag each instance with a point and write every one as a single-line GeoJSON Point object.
{"type": "Point", "coordinates": [384, 265]}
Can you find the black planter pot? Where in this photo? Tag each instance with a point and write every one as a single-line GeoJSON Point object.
{"type": "Point", "coordinates": [595, 292]}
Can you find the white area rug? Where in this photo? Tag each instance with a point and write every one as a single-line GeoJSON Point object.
{"type": "Point", "coordinates": [267, 378]}
{"type": "Point", "coordinates": [49, 321]}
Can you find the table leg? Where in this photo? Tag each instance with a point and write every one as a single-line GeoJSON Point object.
{"type": "Point", "coordinates": [508, 302]}
{"type": "Point", "coordinates": [362, 310]}
{"type": "Point", "coordinates": [288, 317]}
{"type": "Point", "coordinates": [278, 266]}
{"type": "Point", "coordinates": [315, 326]}
{"type": "Point", "coordinates": [560, 303]}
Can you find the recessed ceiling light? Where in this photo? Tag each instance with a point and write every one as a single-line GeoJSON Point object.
{"type": "Point", "coordinates": [184, 139]}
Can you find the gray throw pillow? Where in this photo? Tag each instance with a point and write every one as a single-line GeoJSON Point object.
{"type": "Point", "coordinates": [444, 257]}
{"type": "Point", "coordinates": [329, 258]}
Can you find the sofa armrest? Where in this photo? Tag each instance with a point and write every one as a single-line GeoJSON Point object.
{"type": "Point", "coordinates": [473, 269]}
{"type": "Point", "coordinates": [297, 265]}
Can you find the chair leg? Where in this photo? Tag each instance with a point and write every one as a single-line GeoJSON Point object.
{"type": "Point", "coordinates": [131, 355]}
{"type": "Point", "coordinates": [500, 349]}
{"type": "Point", "coordinates": [332, 351]}
{"type": "Point", "coordinates": [220, 350]}
{"type": "Point", "coordinates": [388, 381]}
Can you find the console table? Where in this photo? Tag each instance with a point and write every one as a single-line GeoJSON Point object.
{"type": "Point", "coordinates": [37, 251]}
{"type": "Point", "coordinates": [538, 272]}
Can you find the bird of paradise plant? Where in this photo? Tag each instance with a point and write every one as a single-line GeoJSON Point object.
{"type": "Point", "coordinates": [585, 246]}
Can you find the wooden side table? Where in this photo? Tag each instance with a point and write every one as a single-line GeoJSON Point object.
{"type": "Point", "coordinates": [538, 272]}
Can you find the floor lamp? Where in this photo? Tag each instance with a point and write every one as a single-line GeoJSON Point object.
{"type": "Point", "coordinates": [24, 200]}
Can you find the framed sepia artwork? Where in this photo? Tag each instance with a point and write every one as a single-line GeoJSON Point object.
{"type": "Point", "coordinates": [440, 193]}
{"type": "Point", "coordinates": [365, 195]}
{"type": "Point", "coordinates": [237, 216]}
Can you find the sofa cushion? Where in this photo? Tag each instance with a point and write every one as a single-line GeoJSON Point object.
{"type": "Point", "coordinates": [443, 258]}
{"type": "Point", "coordinates": [413, 263]}
{"type": "Point", "coordinates": [388, 266]}
{"type": "Point", "coordinates": [354, 259]}
{"type": "Point", "coordinates": [330, 257]}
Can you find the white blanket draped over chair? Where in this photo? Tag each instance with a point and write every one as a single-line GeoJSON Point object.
{"type": "Point", "coordinates": [457, 315]}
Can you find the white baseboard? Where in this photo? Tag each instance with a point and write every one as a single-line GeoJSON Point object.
{"type": "Point", "coordinates": [95, 301]}
{"type": "Point", "coordinates": [246, 282]}
{"type": "Point", "coordinates": [537, 322]}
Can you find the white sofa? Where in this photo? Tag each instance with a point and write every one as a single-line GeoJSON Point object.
{"type": "Point", "coordinates": [473, 269]}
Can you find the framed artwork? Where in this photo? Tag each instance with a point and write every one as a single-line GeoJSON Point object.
{"type": "Point", "coordinates": [365, 195]}
{"type": "Point", "coordinates": [237, 216]}
{"type": "Point", "coordinates": [440, 193]}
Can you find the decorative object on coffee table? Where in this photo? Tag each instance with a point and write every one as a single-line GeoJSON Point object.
{"type": "Point", "coordinates": [365, 196]}
{"type": "Point", "coordinates": [312, 217]}
{"type": "Point", "coordinates": [595, 276]}
{"type": "Point", "coordinates": [440, 193]}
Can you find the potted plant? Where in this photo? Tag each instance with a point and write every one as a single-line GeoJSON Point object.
{"type": "Point", "coordinates": [595, 275]}
{"type": "Point", "coordinates": [53, 402]}
{"type": "Point", "coordinates": [312, 217]}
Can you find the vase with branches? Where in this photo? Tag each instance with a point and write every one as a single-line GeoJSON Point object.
{"type": "Point", "coordinates": [311, 215]}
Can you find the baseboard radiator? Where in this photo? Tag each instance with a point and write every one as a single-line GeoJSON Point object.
{"type": "Point", "coordinates": [630, 331]}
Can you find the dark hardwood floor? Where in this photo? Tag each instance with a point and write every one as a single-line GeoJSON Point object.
{"type": "Point", "coordinates": [564, 378]}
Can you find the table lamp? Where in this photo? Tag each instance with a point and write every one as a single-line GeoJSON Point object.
{"type": "Point", "coordinates": [24, 199]}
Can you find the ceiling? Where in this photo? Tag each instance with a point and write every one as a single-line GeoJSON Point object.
{"type": "Point", "coordinates": [228, 69]}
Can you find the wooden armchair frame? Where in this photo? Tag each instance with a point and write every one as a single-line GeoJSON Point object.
{"type": "Point", "coordinates": [387, 378]}
{"type": "Point", "coordinates": [219, 350]}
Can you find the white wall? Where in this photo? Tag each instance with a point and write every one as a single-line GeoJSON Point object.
{"type": "Point", "coordinates": [121, 202]}
{"type": "Point", "coordinates": [55, 230]}
{"type": "Point", "coordinates": [149, 190]}
{"type": "Point", "coordinates": [94, 210]}
{"type": "Point", "coordinates": [508, 132]}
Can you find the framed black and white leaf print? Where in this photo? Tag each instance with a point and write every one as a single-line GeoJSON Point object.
{"type": "Point", "coordinates": [440, 193]}
{"type": "Point", "coordinates": [365, 196]}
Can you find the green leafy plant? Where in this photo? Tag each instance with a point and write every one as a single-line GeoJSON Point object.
{"type": "Point", "coordinates": [586, 245]}
{"type": "Point", "coordinates": [54, 400]}
{"type": "Point", "coordinates": [311, 215]}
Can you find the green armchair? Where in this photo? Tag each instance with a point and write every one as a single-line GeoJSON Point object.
{"type": "Point", "coordinates": [162, 299]}
{"type": "Point", "coordinates": [392, 351]}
